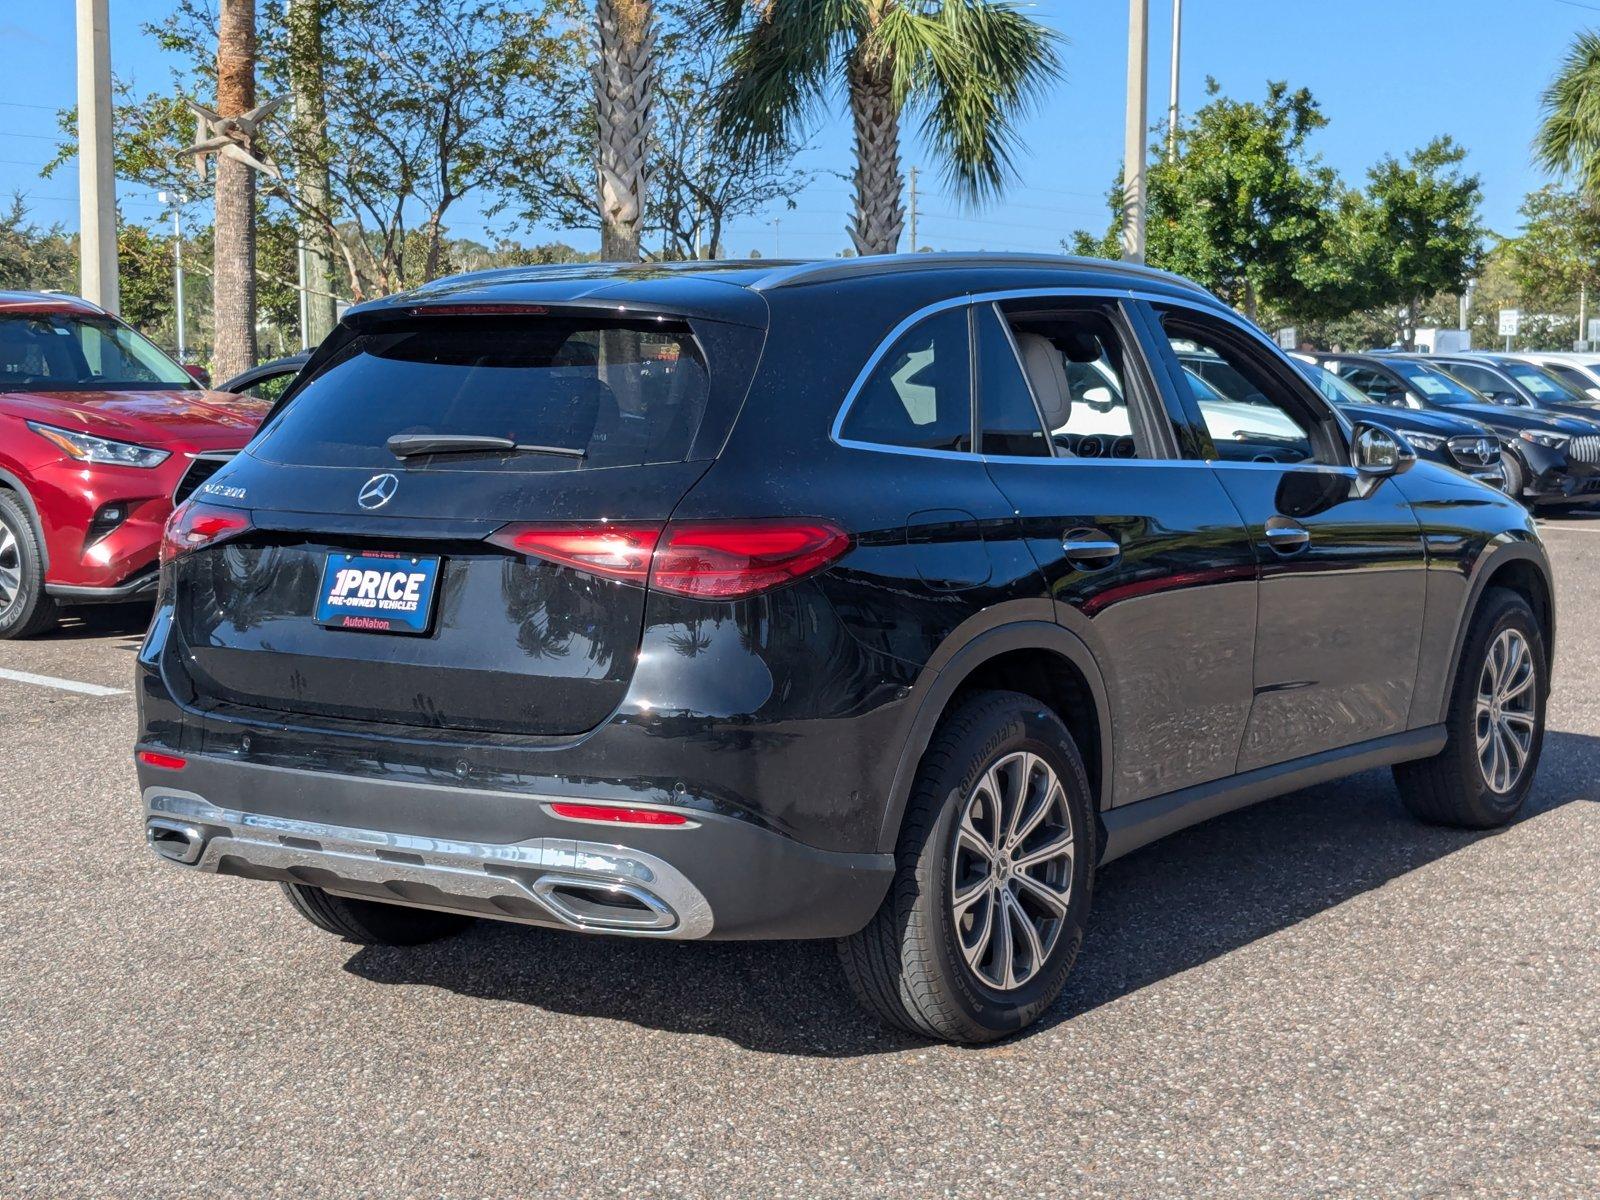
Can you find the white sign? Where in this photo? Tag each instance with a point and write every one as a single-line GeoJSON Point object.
{"type": "Point", "coordinates": [1594, 329]}
{"type": "Point", "coordinates": [1288, 337]}
{"type": "Point", "coordinates": [1510, 321]}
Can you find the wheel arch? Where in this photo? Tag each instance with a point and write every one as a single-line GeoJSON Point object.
{"type": "Point", "coordinates": [10, 483]}
{"type": "Point", "coordinates": [1037, 658]}
{"type": "Point", "coordinates": [1519, 567]}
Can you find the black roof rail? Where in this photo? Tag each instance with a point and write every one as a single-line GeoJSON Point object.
{"type": "Point", "coordinates": [823, 271]}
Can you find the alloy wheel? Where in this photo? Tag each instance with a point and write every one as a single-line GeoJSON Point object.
{"type": "Point", "coordinates": [1011, 870]}
{"type": "Point", "coordinates": [1505, 710]}
{"type": "Point", "coordinates": [10, 568]}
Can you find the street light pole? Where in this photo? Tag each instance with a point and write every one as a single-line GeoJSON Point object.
{"type": "Point", "coordinates": [1133, 149]}
{"type": "Point", "coordinates": [177, 200]}
{"type": "Point", "coordinates": [1172, 94]}
{"type": "Point", "coordinates": [97, 179]}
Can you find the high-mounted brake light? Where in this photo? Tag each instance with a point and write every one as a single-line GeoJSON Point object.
{"type": "Point", "coordinates": [617, 814]}
{"type": "Point", "coordinates": [711, 560]}
{"type": "Point", "coordinates": [167, 762]}
{"type": "Point", "coordinates": [193, 526]}
{"type": "Point", "coordinates": [478, 310]}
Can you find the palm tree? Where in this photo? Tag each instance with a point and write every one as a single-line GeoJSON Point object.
{"type": "Point", "coordinates": [624, 84]}
{"type": "Point", "coordinates": [234, 240]}
{"type": "Point", "coordinates": [968, 67]}
{"type": "Point", "coordinates": [1568, 141]}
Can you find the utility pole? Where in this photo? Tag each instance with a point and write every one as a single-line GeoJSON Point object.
{"type": "Point", "coordinates": [1172, 93]}
{"type": "Point", "coordinates": [177, 200]}
{"type": "Point", "coordinates": [914, 173]}
{"type": "Point", "coordinates": [776, 251]}
{"type": "Point", "coordinates": [97, 180]}
{"type": "Point", "coordinates": [1133, 149]}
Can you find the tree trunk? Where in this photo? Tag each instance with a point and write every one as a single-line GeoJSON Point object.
{"type": "Point", "coordinates": [306, 55]}
{"type": "Point", "coordinates": [879, 211]}
{"type": "Point", "coordinates": [234, 253]}
{"type": "Point", "coordinates": [624, 85]}
{"type": "Point", "coordinates": [1250, 304]}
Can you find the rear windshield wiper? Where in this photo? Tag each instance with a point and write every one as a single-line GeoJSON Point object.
{"type": "Point", "coordinates": [416, 445]}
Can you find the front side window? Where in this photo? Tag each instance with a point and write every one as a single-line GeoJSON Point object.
{"type": "Point", "coordinates": [1252, 415]}
{"type": "Point", "coordinates": [567, 393]}
{"type": "Point", "coordinates": [71, 352]}
{"type": "Point", "coordinates": [919, 395]}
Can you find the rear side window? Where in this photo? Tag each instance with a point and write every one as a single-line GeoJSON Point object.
{"type": "Point", "coordinates": [1011, 422]}
{"type": "Point", "coordinates": [920, 394]}
{"type": "Point", "coordinates": [609, 393]}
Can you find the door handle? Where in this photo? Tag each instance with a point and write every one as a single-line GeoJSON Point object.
{"type": "Point", "coordinates": [1090, 549]}
{"type": "Point", "coordinates": [1287, 536]}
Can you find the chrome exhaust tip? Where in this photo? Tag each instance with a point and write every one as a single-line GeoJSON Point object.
{"type": "Point", "coordinates": [175, 840]}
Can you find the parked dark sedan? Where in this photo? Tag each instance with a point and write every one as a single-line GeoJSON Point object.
{"type": "Point", "coordinates": [1518, 384]}
{"type": "Point", "coordinates": [268, 380]}
{"type": "Point", "coordinates": [1553, 458]}
{"type": "Point", "coordinates": [770, 600]}
{"type": "Point", "coordinates": [1469, 446]}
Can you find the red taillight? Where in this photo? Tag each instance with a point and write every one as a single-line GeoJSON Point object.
{"type": "Point", "coordinates": [167, 762]}
{"type": "Point", "coordinates": [619, 551]}
{"type": "Point", "coordinates": [617, 814]}
{"type": "Point", "coordinates": [728, 560]}
{"type": "Point", "coordinates": [194, 525]}
{"type": "Point", "coordinates": [713, 560]}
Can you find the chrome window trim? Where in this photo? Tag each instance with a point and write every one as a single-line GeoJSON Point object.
{"type": "Point", "coordinates": [1214, 308]}
{"type": "Point", "coordinates": [971, 299]}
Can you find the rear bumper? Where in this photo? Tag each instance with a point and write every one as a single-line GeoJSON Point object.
{"type": "Point", "coordinates": [504, 855]}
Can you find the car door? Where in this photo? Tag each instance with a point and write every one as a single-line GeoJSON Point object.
{"type": "Point", "coordinates": [1141, 549]}
{"type": "Point", "coordinates": [1342, 566]}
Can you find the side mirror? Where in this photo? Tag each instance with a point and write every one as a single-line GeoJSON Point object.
{"type": "Point", "coordinates": [198, 373]}
{"type": "Point", "coordinates": [1377, 453]}
{"type": "Point", "coordinates": [1099, 399]}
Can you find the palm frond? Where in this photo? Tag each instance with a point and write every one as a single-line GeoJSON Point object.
{"type": "Point", "coordinates": [1568, 140]}
{"type": "Point", "coordinates": [973, 67]}
{"type": "Point", "coordinates": [782, 59]}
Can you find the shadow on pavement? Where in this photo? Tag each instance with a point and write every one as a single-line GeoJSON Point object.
{"type": "Point", "coordinates": [1159, 912]}
{"type": "Point", "coordinates": [124, 621]}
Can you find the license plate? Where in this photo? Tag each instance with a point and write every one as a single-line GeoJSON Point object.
{"type": "Point", "coordinates": [377, 592]}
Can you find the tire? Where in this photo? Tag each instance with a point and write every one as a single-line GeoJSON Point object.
{"type": "Point", "coordinates": [371, 922]}
{"type": "Point", "coordinates": [1455, 787]}
{"type": "Point", "coordinates": [1516, 474]}
{"type": "Point", "coordinates": [909, 966]}
{"type": "Point", "coordinates": [25, 608]}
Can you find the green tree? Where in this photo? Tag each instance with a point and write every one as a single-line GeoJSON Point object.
{"type": "Point", "coordinates": [967, 68]}
{"type": "Point", "coordinates": [34, 259]}
{"type": "Point", "coordinates": [1414, 233]}
{"type": "Point", "coordinates": [1568, 139]}
{"type": "Point", "coordinates": [1556, 258]}
{"type": "Point", "coordinates": [1243, 207]}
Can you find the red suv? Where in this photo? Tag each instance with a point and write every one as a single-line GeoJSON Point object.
{"type": "Point", "coordinates": [98, 430]}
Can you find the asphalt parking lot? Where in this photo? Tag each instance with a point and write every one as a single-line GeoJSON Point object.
{"type": "Point", "coordinates": [1315, 997]}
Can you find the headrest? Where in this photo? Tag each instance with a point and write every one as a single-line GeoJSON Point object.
{"type": "Point", "coordinates": [1080, 346]}
{"type": "Point", "coordinates": [1047, 375]}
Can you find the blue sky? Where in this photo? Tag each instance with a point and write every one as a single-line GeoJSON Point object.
{"type": "Point", "coordinates": [1390, 74]}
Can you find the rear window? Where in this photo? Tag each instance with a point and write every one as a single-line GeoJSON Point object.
{"type": "Point", "coordinates": [615, 393]}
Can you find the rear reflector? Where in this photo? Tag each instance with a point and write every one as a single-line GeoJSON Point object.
{"type": "Point", "coordinates": [193, 526]}
{"type": "Point", "coordinates": [617, 815]}
{"type": "Point", "coordinates": [168, 762]}
{"type": "Point", "coordinates": [712, 560]}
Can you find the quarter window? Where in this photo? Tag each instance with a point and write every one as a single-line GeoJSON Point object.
{"type": "Point", "coordinates": [920, 394]}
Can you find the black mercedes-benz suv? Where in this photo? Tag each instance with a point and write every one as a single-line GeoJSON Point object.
{"type": "Point", "coordinates": [799, 600]}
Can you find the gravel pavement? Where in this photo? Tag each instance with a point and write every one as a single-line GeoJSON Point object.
{"type": "Point", "coordinates": [1314, 997]}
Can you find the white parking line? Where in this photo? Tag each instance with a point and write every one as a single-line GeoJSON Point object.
{"type": "Point", "coordinates": [65, 685]}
